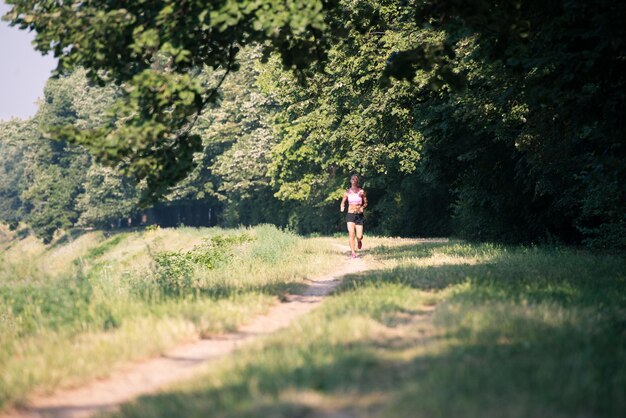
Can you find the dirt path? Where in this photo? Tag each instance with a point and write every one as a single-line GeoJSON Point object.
{"type": "Point", "coordinates": [184, 361]}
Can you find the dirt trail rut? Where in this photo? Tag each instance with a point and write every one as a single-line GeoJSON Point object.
{"type": "Point", "coordinates": [184, 361]}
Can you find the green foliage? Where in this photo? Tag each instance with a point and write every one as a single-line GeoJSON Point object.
{"type": "Point", "coordinates": [176, 270]}
{"type": "Point", "coordinates": [153, 51]}
{"type": "Point", "coordinates": [237, 142]}
{"type": "Point", "coordinates": [143, 146]}
{"type": "Point", "coordinates": [14, 142]}
{"type": "Point", "coordinates": [506, 115]}
{"type": "Point", "coordinates": [50, 201]}
{"type": "Point", "coordinates": [107, 198]}
{"type": "Point", "coordinates": [347, 120]}
{"type": "Point", "coordinates": [55, 171]}
{"type": "Point", "coordinates": [53, 185]}
{"type": "Point", "coordinates": [414, 205]}
{"type": "Point", "coordinates": [530, 141]}
{"type": "Point", "coordinates": [486, 102]}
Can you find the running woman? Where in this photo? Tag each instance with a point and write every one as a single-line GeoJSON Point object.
{"type": "Point", "coordinates": [357, 201]}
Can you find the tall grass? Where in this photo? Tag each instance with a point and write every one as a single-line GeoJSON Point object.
{"type": "Point", "coordinates": [437, 330]}
{"type": "Point", "coordinates": [73, 311]}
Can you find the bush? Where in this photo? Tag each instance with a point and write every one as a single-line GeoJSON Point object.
{"type": "Point", "coordinates": [176, 270]}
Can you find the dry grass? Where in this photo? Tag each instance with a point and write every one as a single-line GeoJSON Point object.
{"type": "Point", "coordinates": [78, 308]}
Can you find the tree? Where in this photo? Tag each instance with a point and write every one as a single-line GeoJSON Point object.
{"type": "Point", "coordinates": [107, 198]}
{"type": "Point", "coordinates": [56, 170]}
{"type": "Point", "coordinates": [155, 51]}
{"type": "Point", "coordinates": [237, 138]}
{"type": "Point", "coordinates": [50, 183]}
{"type": "Point", "coordinates": [536, 132]}
{"type": "Point", "coordinates": [514, 107]}
{"type": "Point", "coordinates": [15, 138]}
{"type": "Point", "coordinates": [351, 120]}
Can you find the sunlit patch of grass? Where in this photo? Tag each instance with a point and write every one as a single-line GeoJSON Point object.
{"type": "Point", "coordinates": [67, 360]}
{"type": "Point", "coordinates": [18, 263]}
{"type": "Point", "coordinates": [105, 246]}
{"type": "Point", "coordinates": [338, 359]}
{"type": "Point", "coordinates": [438, 330]}
{"type": "Point", "coordinates": [60, 260]}
{"type": "Point", "coordinates": [102, 304]}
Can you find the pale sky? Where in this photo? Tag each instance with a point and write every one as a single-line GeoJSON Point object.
{"type": "Point", "coordinates": [23, 71]}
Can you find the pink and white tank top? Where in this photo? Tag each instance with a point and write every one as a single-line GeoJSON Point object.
{"type": "Point", "coordinates": [355, 198]}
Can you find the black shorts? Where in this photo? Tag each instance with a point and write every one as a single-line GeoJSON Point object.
{"type": "Point", "coordinates": [357, 218]}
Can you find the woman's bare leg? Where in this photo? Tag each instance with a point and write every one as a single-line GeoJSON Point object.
{"type": "Point", "coordinates": [351, 228]}
{"type": "Point", "coordinates": [359, 232]}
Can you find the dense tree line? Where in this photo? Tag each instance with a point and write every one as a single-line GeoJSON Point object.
{"type": "Point", "coordinates": [515, 107]}
{"type": "Point", "coordinates": [50, 184]}
{"type": "Point", "coordinates": [487, 120]}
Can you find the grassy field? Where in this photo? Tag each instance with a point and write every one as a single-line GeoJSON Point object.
{"type": "Point", "coordinates": [435, 330]}
{"type": "Point", "coordinates": [80, 307]}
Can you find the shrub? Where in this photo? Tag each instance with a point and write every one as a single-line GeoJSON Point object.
{"type": "Point", "coordinates": [176, 270]}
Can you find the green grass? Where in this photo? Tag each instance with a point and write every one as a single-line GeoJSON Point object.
{"type": "Point", "coordinates": [105, 246]}
{"type": "Point", "coordinates": [436, 330]}
{"type": "Point", "coordinates": [76, 310]}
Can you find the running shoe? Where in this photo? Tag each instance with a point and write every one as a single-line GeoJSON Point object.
{"type": "Point", "coordinates": [354, 255]}
{"type": "Point", "coordinates": [359, 243]}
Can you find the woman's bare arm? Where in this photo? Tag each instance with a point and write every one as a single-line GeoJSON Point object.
{"type": "Point", "coordinates": [364, 197]}
{"type": "Point", "coordinates": [343, 202]}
